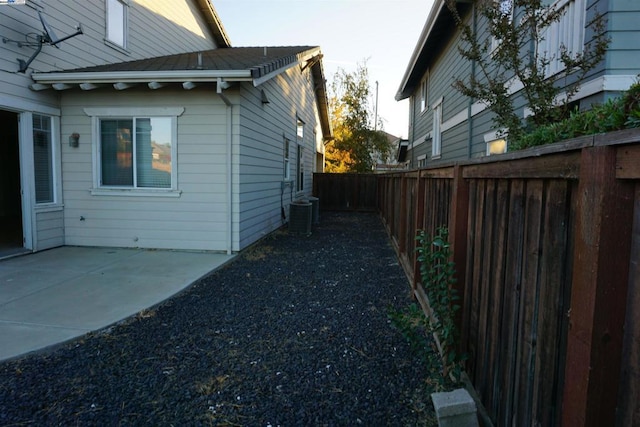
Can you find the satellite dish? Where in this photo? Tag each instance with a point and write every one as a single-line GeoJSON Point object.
{"type": "Point", "coordinates": [48, 37]}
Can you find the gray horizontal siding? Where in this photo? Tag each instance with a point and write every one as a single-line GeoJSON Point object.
{"type": "Point", "coordinates": [262, 126]}
{"type": "Point", "coordinates": [196, 220]}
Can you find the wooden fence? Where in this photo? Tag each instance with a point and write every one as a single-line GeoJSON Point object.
{"type": "Point", "coordinates": [546, 244]}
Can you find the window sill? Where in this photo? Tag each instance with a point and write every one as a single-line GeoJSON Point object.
{"type": "Point", "coordinates": [135, 192]}
{"type": "Point", "coordinates": [116, 46]}
{"type": "Point", "coordinates": [437, 157]}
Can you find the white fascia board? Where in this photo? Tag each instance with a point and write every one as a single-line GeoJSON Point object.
{"type": "Point", "coordinates": [310, 54]}
{"type": "Point", "coordinates": [143, 76]}
{"type": "Point", "coordinates": [424, 36]}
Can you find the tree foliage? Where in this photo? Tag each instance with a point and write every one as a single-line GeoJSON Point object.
{"type": "Point", "coordinates": [356, 140]}
{"type": "Point", "coordinates": [510, 51]}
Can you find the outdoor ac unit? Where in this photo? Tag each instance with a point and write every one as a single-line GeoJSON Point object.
{"type": "Point", "coordinates": [300, 213]}
{"type": "Point", "coordinates": [315, 210]}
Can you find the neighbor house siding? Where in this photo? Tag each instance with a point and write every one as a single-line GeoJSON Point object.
{"type": "Point", "coordinates": [263, 194]}
{"type": "Point", "coordinates": [195, 220]}
{"type": "Point", "coordinates": [624, 52]}
{"type": "Point", "coordinates": [445, 65]}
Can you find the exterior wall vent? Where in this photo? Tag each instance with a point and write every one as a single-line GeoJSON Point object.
{"type": "Point", "coordinates": [300, 213]}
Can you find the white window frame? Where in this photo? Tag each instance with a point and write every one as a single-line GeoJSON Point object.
{"type": "Point", "coordinates": [97, 114]}
{"type": "Point", "coordinates": [569, 31]}
{"type": "Point", "coordinates": [300, 154]}
{"type": "Point", "coordinates": [436, 132]}
{"type": "Point", "coordinates": [286, 153]}
{"type": "Point", "coordinates": [114, 35]}
{"type": "Point", "coordinates": [424, 93]}
{"type": "Point", "coordinates": [53, 155]}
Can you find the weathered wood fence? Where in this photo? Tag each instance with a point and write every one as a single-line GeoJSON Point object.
{"type": "Point", "coordinates": [546, 244]}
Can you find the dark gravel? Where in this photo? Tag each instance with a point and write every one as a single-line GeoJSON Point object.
{"type": "Point", "coordinates": [294, 332]}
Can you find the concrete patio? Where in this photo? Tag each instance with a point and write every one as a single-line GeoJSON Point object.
{"type": "Point", "coordinates": [53, 296]}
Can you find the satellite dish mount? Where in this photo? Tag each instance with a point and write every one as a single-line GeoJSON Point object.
{"type": "Point", "coordinates": [48, 37]}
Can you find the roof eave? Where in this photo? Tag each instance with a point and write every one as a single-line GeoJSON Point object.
{"type": "Point", "coordinates": [405, 89]}
{"type": "Point", "coordinates": [215, 24]}
{"type": "Point", "coordinates": [142, 76]}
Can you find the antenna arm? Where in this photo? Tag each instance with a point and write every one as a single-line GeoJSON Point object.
{"type": "Point", "coordinates": [24, 65]}
{"type": "Point", "coordinates": [77, 33]}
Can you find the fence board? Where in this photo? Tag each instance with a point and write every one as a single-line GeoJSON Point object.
{"type": "Point", "coordinates": [551, 307]}
{"type": "Point", "coordinates": [512, 292]}
{"type": "Point", "coordinates": [497, 307]}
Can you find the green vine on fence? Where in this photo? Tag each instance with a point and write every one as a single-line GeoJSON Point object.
{"type": "Point", "coordinates": [438, 281]}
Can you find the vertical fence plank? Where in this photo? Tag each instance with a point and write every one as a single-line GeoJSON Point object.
{"type": "Point", "coordinates": [486, 288]}
{"type": "Point", "coordinates": [511, 298]}
{"type": "Point", "coordinates": [599, 289]}
{"type": "Point", "coordinates": [552, 306]}
{"type": "Point", "coordinates": [498, 273]}
{"type": "Point", "coordinates": [629, 394]}
{"type": "Point", "coordinates": [458, 222]}
{"type": "Point", "coordinates": [528, 302]}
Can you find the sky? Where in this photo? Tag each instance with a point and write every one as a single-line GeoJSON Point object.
{"type": "Point", "coordinates": [349, 32]}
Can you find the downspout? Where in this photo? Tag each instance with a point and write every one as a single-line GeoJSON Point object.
{"type": "Point", "coordinates": [473, 73]}
{"type": "Point", "coordinates": [220, 86]}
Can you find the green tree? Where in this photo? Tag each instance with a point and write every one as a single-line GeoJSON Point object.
{"type": "Point", "coordinates": [510, 51]}
{"type": "Point", "coordinates": [356, 139]}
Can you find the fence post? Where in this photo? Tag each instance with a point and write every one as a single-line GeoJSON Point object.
{"type": "Point", "coordinates": [602, 246]}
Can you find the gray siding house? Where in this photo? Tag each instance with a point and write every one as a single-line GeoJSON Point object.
{"type": "Point", "coordinates": [149, 130]}
{"type": "Point", "coordinates": [446, 126]}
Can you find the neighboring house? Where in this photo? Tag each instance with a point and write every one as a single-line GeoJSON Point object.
{"type": "Point", "coordinates": [389, 163]}
{"type": "Point", "coordinates": [148, 130]}
{"type": "Point", "coordinates": [444, 125]}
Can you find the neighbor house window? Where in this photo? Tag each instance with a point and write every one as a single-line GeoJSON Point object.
{"type": "Point", "coordinates": [300, 166]}
{"type": "Point", "coordinates": [136, 152]}
{"type": "Point", "coordinates": [287, 167]}
{"type": "Point", "coordinates": [496, 142]}
{"type": "Point", "coordinates": [117, 22]}
{"type": "Point", "coordinates": [43, 158]}
{"type": "Point", "coordinates": [497, 146]}
{"type": "Point", "coordinates": [300, 170]}
{"type": "Point", "coordinates": [566, 33]}
{"type": "Point", "coordinates": [436, 132]}
{"type": "Point", "coordinates": [422, 161]}
{"type": "Point", "coordinates": [423, 93]}
{"type": "Point", "coordinates": [505, 7]}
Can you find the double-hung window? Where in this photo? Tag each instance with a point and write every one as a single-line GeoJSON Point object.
{"type": "Point", "coordinates": [117, 22]}
{"type": "Point", "coordinates": [43, 159]}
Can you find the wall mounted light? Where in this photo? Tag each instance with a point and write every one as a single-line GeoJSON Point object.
{"type": "Point", "coordinates": [74, 139]}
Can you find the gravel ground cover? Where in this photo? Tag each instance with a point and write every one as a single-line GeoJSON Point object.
{"type": "Point", "coordinates": [293, 332]}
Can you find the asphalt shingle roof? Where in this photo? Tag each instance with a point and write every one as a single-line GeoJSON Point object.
{"type": "Point", "coordinates": [260, 60]}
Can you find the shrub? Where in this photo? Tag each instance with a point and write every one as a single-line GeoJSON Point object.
{"type": "Point", "coordinates": [614, 114]}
